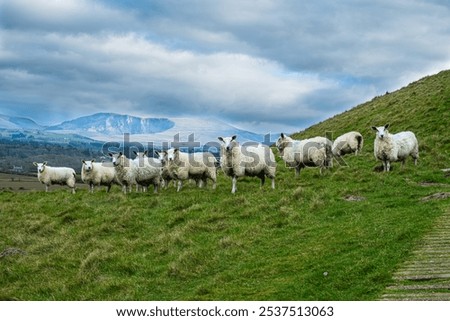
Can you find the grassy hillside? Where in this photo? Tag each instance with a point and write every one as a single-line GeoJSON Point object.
{"type": "Point", "coordinates": [422, 107]}
{"type": "Point", "coordinates": [303, 241]}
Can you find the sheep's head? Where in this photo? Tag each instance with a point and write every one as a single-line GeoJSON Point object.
{"type": "Point", "coordinates": [172, 154]}
{"type": "Point", "coordinates": [162, 156]}
{"type": "Point", "coordinates": [381, 131]}
{"type": "Point", "coordinates": [140, 154]}
{"type": "Point", "coordinates": [282, 142]}
{"type": "Point", "coordinates": [40, 166]}
{"type": "Point", "coordinates": [88, 165]}
{"type": "Point", "coordinates": [119, 159]}
{"type": "Point", "coordinates": [228, 143]}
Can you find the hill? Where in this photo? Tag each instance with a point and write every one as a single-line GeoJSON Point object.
{"type": "Point", "coordinates": [337, 236]}
{"type": "Point", "coordinates": [422, 107]}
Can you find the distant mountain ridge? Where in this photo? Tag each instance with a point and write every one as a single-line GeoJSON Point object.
{"type": "Point", "coordinates": [115, 124]}
{"type": "Point", "coordinates": [11, 122]}
{"type": "Point", "coordinates": [112, 127]}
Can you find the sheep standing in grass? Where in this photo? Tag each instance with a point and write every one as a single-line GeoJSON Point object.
{"type": "Point", "coordinates": [166, 175]}
{"type": "Point", "coordinates": [55, 175]}
{"type": "Point", "coordinates": [394, 147]}
{"type": "Point", "coordinates": [197, 166]}
{"type": "Point", "coordinates": [98, 174]}
{"type": "Point", "coordinates": [351, 142]}
{"type": "Point", "coordinates": [251, 159]}
{"type": "Point", "coordinates": [125, 171]}
{"type": "Point", "coordinates": [313, 152]}
{"type": "Point", "coordinates": [147, 171]}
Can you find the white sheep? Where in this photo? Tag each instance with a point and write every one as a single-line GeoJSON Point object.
{"type": "Point", "coordinates": [125, 171]}
{"type": "Point", "coordinates": [98, 174]}
{"type": "Point", "coordinates": [394, 147]}
{"type": "Point", "coordinates": [351, 142]}
{"type": "Point", "coordinates": [147, 171]}
{"type": "Point", "coordinates": [249, 159]}
{"type": "Point", "coordinates": [49, 175]}
{"type": "Point", "coordinates": [197, 166]}
{"type": "Point", "coordinates": [312, 152]}
{"type": "Point", "coordinates": [166, 175]}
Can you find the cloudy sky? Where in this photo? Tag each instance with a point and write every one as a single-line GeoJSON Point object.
{"type": "Point", "coordinates": [266, 65]}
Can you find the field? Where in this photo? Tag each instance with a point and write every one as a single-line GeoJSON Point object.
{"type": "Point", "coordinates": [336, 236]}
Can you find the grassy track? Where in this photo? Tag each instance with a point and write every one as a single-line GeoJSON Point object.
{"type": "Point", "coordinates": [303, 241]}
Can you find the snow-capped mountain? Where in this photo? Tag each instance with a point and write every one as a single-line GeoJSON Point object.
{"type": "Point", "coordinates": [9, 122]}
{"type": "Point", "coordinates": [114, 124]}
{"type": "Point", "coordinates": [109, 127]}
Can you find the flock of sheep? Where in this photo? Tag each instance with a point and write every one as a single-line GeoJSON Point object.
{"type": "Point", "coordinates": [236, 160]}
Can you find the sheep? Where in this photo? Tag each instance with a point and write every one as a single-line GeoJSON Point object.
{"type": "Point", "coordinates": [166, 175]}
{"type": "Point", "coordinates": [312, 152]}
{"type": "Point", "coordinates": [351, 142]}
{"type": "Point", "coordinates": [147, 171]}
{"type": "Point", "coordinates": [198, 166]}
{"type": "Point", "coordinates": [394, 147]}
{"type": "Point", "coordinates": [55, 175]}
{"type": "Point", "coordinates": [251, 159]}
{"type": "Point", "coordinates": [327, 144]}
{"type": "Point", "coordinates": [125, 171]}
{"type": "Point", "coordinates": [96, 174]}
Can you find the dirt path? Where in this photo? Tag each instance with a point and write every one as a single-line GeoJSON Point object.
{"type": "Point", "coordinates": [426, 275]}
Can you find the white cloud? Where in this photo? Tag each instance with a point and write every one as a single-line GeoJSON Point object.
{"type": "Point", "coordinates": [262, 64]}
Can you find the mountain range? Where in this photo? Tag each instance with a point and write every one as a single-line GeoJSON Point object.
{"type": "Point", "coordinates": [111, 127]}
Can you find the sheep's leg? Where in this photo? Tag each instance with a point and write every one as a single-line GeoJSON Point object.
{"type": "Point", "coordinates": [415, 161]}
{"type": "Point", "coordinates": [46, 188]}
{"type": "Point", "coordinates": [180, 185]}
{"type": "Point", "coordinates": [155, 188]}
{"type": "Point", "coordinates": [263, 180]}
{"type": "Point", "coordinates": [73, 190]}
{"type": "Point", "coordinates": [108, 188]}
{"type": "Point", "coordinates": [214, 184]}
{"type": "Point", "coordinates": [388, 166]}
{"type": "Point", "coordinates": [91, 187]}
{"type": "Point", "coordinates": [273, 183]}
{"type": "Point", "coordinates": [233, 188]}
{"type": "Point", "coordinates": [297, 171]}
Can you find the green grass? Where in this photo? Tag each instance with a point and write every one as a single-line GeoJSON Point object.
{"type": "Point", "coordinates": [302, 241]}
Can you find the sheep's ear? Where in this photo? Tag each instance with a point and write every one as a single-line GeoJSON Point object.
{"type": "Point", "coordinates": [145, 152]}
{"type": "Point", "coordinates": [374, 128]}
{"type": "Point", "coordinates": [176, 150]}
{"type": "Point", "coordinates": [92, 160]}
{"type": "Point", "coordinates": [120, 154]}
{"type": "Point", "coordinates": [156, 152]}
{"type": "Point", "coordinates": [386, 126]}
{"type": "Point", "coordinates": [282, 135]}
{"type": "Point", "coordinates": [110, 155]}
{"type": "Point", "coordinates": [221, 139]}
{"type": "Point", "coordinates": [135, 153]}
{"type": "Point", "coordinates": [83, 161]}
{"type": "Point", "coordinates": [234, 137]}
{"type": "Point", "coordinates": [35, 164]}
{"type": "Point", "coordinates": [45, 163]}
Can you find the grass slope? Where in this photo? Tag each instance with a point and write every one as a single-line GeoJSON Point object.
{"type": "Point", "coordinates": [302, 241]}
